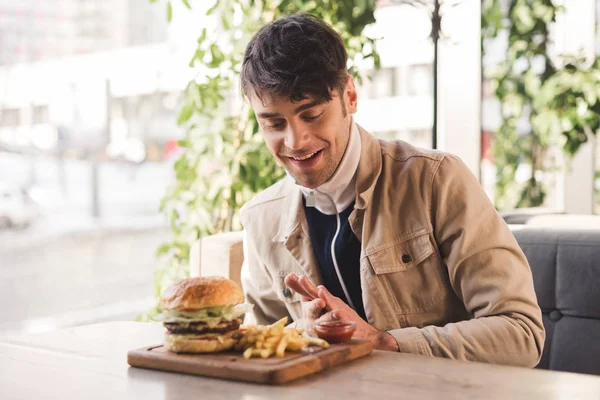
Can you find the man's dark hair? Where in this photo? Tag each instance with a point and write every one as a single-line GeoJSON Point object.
{"type": "Point", "coordinates": [295, 57]}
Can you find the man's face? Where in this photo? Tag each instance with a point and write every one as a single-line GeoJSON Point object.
{"type": "Point", "coordinates": [308, 138]}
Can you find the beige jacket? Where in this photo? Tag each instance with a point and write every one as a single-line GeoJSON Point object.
{"type": "Point", "coordinates": [440, 270]}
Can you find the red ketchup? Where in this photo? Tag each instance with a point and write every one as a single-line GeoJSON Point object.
{"type": "Point", "coordinates": [335, 331]}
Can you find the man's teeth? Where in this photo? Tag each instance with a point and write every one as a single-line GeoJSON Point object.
{"type": "Point", "coordinates": [306, 157]}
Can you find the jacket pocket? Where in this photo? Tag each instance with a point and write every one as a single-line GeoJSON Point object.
{"type": "Point", "coordinates": [409, 274]}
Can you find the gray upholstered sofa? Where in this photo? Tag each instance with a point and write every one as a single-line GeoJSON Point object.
{"type": "Point", "coordinates": [566, 269]}
{"type": "Point", "coordinates": [565, 263]}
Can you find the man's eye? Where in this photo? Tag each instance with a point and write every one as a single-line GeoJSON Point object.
{"type": "Point", "coordinates": [309, 118]}
{"type": "Point", "coordinates": [278, 125]}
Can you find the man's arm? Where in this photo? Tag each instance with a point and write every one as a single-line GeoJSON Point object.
{"type": "Point", "coordinates": [488, 272]}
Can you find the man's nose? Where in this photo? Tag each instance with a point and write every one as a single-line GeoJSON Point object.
{"type": "Point", "coordinates": [296, 139]}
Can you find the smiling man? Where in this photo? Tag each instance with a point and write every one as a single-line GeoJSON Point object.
{"type": "Point", "coordinates": [401, 240]}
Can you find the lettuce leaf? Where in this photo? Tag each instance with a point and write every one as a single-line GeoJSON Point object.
{"type": "Point", "coordinates": [210, 315]}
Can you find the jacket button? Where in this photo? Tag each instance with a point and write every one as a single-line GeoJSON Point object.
{"type": "Point", "coordinates": [555, 315]}
{"type": "Point", "coordinates": [287, 292]}
{"type": "Point", "coordinates": [406, 258]}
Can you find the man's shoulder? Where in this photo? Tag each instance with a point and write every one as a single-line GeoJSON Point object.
{"type": "Point", "coordinates": [402, 155]}
{"type": "Point", "coordinates": [271, 197]}
{"type": "Point", "coordinates": [399, 150]}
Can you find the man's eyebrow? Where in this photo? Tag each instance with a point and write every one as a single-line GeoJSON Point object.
{"type": "Point", "coordinates": [306, 106]}
{"type": "Point", "coordinates": [298, 109]}
{"type": "Point", "coordinates": [268, 115]}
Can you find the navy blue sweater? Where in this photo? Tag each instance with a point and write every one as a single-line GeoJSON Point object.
{"type": "Point", "coordinates": [322, 229]}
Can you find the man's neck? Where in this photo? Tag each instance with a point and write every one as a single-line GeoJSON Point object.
{"type": "Point", "coordinates": [335, 195]}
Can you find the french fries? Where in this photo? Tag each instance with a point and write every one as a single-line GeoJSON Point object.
{"type": "Point", "coordinates": [267, 340]}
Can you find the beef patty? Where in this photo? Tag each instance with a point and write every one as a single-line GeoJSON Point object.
{"type": "Point", "coordinates": [199, 327]}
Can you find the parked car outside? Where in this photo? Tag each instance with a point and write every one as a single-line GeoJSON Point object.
{"type": "Point", "coordinates": [17, 209]}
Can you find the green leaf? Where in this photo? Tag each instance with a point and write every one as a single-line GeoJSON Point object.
{"type": "Point", "coordinates": [523, 20]}
{"type": "Point", "coordinates": [202, 38]}
{"type": "Point", "coordinates": [169, 11]}
{"type": "Point", "coordinates": [186, 113]}
{"type": "Point", "coordinates": [181, 164]}
{"type": "Point", "coordinates": [213, 8]}
{"type": "Point", "coordinates": [163, 249]}
{"type": "Point", "coordinates": [216, 56]}
{"type": "Point", "coordinates": [590, 93]}
{"type": "Point", "coordinates": [187, 4]}
{"type": "Point", "coordinates": [225, 22]}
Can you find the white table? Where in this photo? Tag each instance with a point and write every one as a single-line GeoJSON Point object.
{"type": "Point", "coordinates": [90, 362]}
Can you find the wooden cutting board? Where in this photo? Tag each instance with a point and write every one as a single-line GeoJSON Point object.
{"type": "Point", "coordinates": [230, 365]}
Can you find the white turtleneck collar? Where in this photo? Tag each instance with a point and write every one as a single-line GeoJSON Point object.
{"type": "Point", "coordinates": [339, 191]}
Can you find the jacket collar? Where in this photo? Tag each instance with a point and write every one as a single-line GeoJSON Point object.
{"type": "Point", "coordinates": [367, 174]}
{"type": "Point", "coordinates": [369, 169]}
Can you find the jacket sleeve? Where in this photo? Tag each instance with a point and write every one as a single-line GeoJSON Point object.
{"type": "Point", "coordinates": [257, 285]}
{"type": "Point", "coordinates": [488, 272]}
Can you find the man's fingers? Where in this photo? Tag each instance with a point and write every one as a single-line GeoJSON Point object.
{"type": "Point", "coordinates": [334, 315]}
{"type": "Point", "coordinates": [308, 286]}
{"type": "Point", "coordinates": [325, 317]}
{"type": "Point", "coordinates": [289, 278]}
{"type": "Point", "coordinates": [339, 315]}
{"type": "Point", "coordinates": [301, 285]}
{"type": "Point", "coordinates": [328, 317]}
{"type": "Point", "coordinates": [292, 281]}
{"type": "Point", "coordinates": [331, 300]}
{"type": "Point", "coordinates": [314, 308]}
{"type": "Point", "coordinates": [317, 298]}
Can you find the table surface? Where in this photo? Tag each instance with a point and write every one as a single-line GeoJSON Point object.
{"type": "Point", "coordinates": [90, 362]}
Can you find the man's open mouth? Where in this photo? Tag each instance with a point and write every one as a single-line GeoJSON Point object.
{"type": "Point", "coordinates": [307, 157]}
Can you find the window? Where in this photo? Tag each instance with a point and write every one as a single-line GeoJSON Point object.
{"type": "Point", "coordinates": [9, 117]}
{"type": "Point", "coordinates": [40, 115]}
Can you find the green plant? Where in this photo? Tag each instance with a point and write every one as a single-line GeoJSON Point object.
{"type": "Point", "coordinates": [224, 161]}
{"type": "Point", "coordinates": [559, 96]}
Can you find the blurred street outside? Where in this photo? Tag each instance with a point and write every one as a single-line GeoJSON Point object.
{"type": "Point", "coordinates": [68, 268]}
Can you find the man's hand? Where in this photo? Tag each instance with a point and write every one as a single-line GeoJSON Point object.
{"type": "Point", "coordinates": [312, 305]}
{"type": "Point", "coordinates": [316, 299]}
{"type": "Point", "coordinates": [338, 310]}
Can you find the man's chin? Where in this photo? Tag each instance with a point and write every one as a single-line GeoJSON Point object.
{"type": "Point", "coordinates": [312, 177]}
{"type": "Point", "coordinates": [304, 180]}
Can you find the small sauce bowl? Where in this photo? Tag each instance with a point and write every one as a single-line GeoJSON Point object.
{"type": "Point", "coordinates": [335, 331]}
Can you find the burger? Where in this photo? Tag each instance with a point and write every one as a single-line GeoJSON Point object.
{"type": "Point", "coordinates": [203, 314]}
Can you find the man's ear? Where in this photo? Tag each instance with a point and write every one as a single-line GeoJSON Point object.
{"type": "Point", "coordinates": [351, 97]}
